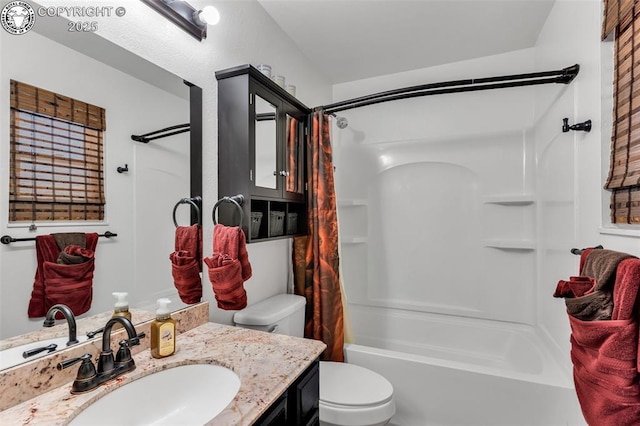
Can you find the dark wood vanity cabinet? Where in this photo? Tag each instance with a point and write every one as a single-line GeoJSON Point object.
{"type": "Point", "coordinates": [299, 405]}
{"type": "Point", "coordinates": [261, 154]}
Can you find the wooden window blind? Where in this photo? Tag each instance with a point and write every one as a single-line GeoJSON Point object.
{"type": "Point", "coordinates": [624, 171]}
{"type": "Point", "coordinates": [56, 157]}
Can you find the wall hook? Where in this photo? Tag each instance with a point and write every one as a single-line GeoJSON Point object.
{"type": "Point", "coordinates": [123, 169]}
{"type": "Point", "coordinates": [584, 126]}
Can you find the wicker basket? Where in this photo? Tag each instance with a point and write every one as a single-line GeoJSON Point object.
{"type": "Point", "coordinates": [277, 223]}
{"type": "Point", "coordinates": [256, 220]}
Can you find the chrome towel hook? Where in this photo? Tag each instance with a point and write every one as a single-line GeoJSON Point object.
{"type": "Point", "coordinates": [237, 200]}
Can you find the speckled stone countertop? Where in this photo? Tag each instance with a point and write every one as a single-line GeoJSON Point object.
{"type": "Point", "coordinates": [38, 376]}
{"type": "Point", "coordinates": [266, 363]}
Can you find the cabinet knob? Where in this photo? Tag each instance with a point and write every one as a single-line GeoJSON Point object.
{"type": "Point", "coordinates": [284, 173]}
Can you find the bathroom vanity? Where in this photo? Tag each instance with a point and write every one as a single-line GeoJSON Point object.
{"type": "Point", "coordinates": [278, 377]}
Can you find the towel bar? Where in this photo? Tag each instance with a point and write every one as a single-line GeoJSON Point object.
{"type": "Point", "coordinates": [237, 200]}
{"type": "Point", "coordinates": [195, 201]}
{"type": "Point", "coordinates": [7, 239]}
{"type": "Point", "coordinates": [579, 251]}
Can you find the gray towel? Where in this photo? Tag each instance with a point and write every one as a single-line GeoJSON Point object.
{"type": "Point", "coordinates": [601, 265]}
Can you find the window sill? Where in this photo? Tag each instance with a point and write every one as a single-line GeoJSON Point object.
{"type": "Point", "coordinates": [45, 225]}
{"type": "Point", "coordinates": [624, 232]}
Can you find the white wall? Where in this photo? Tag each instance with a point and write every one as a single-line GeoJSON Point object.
{"type": "Point", "coordinates": [246, 34]}
{"type": "Point", "coordinates": [572, 167]}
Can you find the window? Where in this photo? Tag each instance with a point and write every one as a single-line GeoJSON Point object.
{"type": "Point", "coordinates": [623, 17]}
{"type": "Point", "coordinates": [56, 157]}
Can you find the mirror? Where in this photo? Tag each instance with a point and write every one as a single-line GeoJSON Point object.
{"type": "Point", "coordinates": [139, 97]}
{"type": "Point", "coordinates": [266, 154]}
{"type": "Point", "coordinates": [294, 155]}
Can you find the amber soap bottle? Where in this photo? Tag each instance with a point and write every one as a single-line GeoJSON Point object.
{"type": "Point", "coordinates": [163, 331]}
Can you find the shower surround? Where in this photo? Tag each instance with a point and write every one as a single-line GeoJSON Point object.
{"type": "Point", "coordinates": [447, 207]}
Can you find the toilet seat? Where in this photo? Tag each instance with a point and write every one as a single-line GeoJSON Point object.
{"type": "Point", "coordinates": [353, 395]}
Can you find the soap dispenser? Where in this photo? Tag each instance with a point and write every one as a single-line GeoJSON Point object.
{"type": "Point", "coordinates": [163, 331]}
{"type": "Point", "coordinates": [121, 308]}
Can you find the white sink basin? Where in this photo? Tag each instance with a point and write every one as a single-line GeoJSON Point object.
{"type": "Point", "coordinates": [13, 356]}
{"type": "Point", "coordinates": [184, 395]}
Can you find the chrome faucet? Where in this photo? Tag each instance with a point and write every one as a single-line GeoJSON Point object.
{"type": "Point", "coordinates": [50, 321]}
{"type": "Point", "coordinates": [108, 367]}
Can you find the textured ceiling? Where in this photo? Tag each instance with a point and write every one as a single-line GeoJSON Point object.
{"type": "Point", "coordinates": [354, 39]}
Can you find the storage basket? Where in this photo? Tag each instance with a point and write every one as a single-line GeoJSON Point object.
{"type": "Point", "coordinates": [277, 223]}
{"type": "Point", "coordinates": [292, 223]}
{"type": "Point", "coordinates": [256, 220]}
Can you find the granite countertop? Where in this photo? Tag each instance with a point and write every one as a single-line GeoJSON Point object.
{"type": "Point", "coordinates": [266, 363]}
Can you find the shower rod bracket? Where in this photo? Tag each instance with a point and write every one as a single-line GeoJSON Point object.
{"type": "Point", "coordinates": [585, 126]}
{"type": "Point", "coordinates": [569, 73]}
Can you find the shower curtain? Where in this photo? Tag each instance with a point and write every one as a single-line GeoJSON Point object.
{"type": "Point", "coordinates": [316, 260]}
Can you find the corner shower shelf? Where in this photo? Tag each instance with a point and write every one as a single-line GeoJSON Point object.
{"type": "Point", "coordinates": [510, 199]}
{"type": "Point", "coordinates": [511, 244]}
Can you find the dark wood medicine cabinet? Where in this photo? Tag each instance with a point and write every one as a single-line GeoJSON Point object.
{"type": "Point", "coordinates": [261, 154]}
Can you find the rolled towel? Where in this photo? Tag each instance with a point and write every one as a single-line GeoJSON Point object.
{"type": "Point", "coordinates": [185, 263]}
{"type": "Point", "coordinates": [225, 274]}
{"type": "Point", "coordinates": [72, 255]}
{"type": "Point", "coordinates": [185, 270]}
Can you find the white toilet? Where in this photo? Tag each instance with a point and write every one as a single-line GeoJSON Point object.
{"type": "Point", "coordinates": [350, 395]}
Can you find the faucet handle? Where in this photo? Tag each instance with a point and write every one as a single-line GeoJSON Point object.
{"type": "Point", "coordinates": [134, 341]}
{"type": "Point", "coordinates": [86, 379]}
{"type": "Point", "coordinates": [123, 357]}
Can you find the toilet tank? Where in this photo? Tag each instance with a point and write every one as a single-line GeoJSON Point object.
{"type": "Point", "coordinates": [283, 314]}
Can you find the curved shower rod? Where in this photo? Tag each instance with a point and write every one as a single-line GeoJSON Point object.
{"type": "Point", "coordinates": [564, 76]}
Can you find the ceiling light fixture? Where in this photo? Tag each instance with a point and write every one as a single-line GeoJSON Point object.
{"type": "Point", "coordinates": [185, 16]}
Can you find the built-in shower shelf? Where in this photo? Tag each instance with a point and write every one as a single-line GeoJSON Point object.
{"type": "Point", "coordinates": [354, 240]}
{"type": "Point", "coordinates": [510, 199]}
{"type": "Point", "coordinates": [352, 202]}
{"type": "Point", "coordinates": [510, 244]}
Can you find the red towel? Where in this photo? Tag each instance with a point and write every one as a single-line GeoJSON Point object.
{"type": "Point", "coordinates": [185, 263]}
{"type": "Point", "coordinates": [605, 355]}
{"type": "Point", "coordinates": [231, 240]}
{"type": "Point", "coordinates": [69, 284]}
{"type": "Point", "coordinates": [225, 274]}
{"type": "Point", "coordinates": [229, 267]}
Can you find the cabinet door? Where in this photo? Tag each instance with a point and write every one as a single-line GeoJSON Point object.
{"type": "Point", "coordinates": [266, 152]}
{"type": "Point", "coordinates": [304, 396]}
{"type": "Point", "coordinates": [276, 415]}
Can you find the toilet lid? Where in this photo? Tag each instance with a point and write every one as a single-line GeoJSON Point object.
{"type": "Point", "coordinates": [352, 385]}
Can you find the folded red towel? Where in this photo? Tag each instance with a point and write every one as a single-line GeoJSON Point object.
{"type": "Point", "coordinates": [69, 284]}
{"type": "Point", "coordinates": [225, 275]}
{"type": "Point", "coordinates": [185, 263]}
{"type": "Point", "coordinates": [605, 355]}
{"type": "Point", "coordinates": [229, 267]}
{"type": "Point", "coordinates": [230, 240]}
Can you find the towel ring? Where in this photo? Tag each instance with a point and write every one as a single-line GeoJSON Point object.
{"type": "Point", "coordinates": [237, 200]}
{"type": "Point", "coordinates": [193, 201]}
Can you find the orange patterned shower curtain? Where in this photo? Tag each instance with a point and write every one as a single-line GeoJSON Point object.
{"type": "Point", "coordinates": [316, 260]}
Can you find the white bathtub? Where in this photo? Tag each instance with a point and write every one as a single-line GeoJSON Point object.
{"type": "Point", "coordinates": [453, 371]}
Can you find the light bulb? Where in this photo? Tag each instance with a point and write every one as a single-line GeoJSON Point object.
{"type": "Point", "coordinates": [209, 15]}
